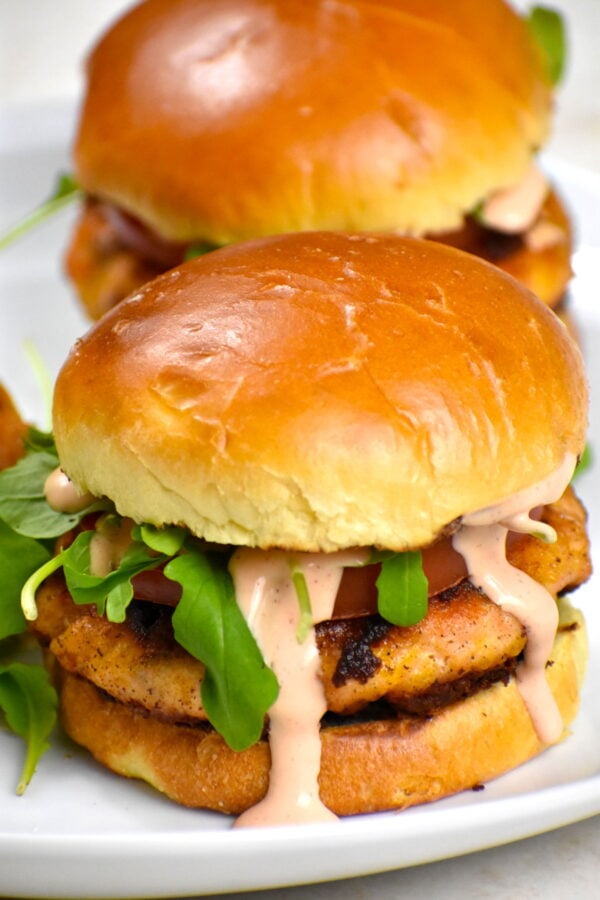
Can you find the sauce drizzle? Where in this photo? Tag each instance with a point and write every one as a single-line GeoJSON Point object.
{"type": "Point", "coordinates": [267, 597]}
{"type": "Point", "coordinates": [62, 495]}
{"type": "Point", "coordinates": [482, 542]}
{"type": "Point", "coordinates": [515, 209]}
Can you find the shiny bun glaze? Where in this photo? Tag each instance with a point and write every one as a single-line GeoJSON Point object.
{"type": "Point", "coordinates": [219, 120]}
{"type": "Point", "coordinates": [321, 391]}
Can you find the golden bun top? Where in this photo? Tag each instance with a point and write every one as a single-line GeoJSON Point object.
{"type": "Point", "coordinates": [221, 120]}
{"type": "Point", "coordinates": [321, 390]}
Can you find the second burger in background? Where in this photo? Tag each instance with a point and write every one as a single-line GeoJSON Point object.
{"type": "Point", "coordinates": [206, 122]}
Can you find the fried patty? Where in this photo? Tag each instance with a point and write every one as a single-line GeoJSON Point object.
{"type": "Point", "coordinates": [465, 641]}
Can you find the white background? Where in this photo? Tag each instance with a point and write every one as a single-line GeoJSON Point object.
{"type": "Point", "coordinates": [42, 45]}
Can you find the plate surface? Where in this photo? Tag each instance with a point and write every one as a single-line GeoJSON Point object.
{"type": "Point", "coordinates": [80, 831]}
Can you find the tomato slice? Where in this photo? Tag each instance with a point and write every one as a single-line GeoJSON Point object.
{"type": "Point", "coordinates": [357, 594]}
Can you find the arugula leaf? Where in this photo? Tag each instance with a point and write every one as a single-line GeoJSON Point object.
{"type": "Point", "coordinates": [548, 29]}
{"type": "Point", "coordinates": [23, 504]}
{"type": "Point", "coordinates": [29, 703]}
{"type": "Point", "coordinates": [199, 249]}
{"type": "Point", "coordinates": [117, 601]}
{"type": "Point", "coordinates": [19, 558]}
{"type": "Point", "coordinates": [110, 593]}
{"type": "Point", "coordinates": [65, 191]}
{"type": "Point", "coordinates": [116, 586]}
{"type": "Point", "coordinates": [167, 540]}
{"type": "Point", "coordinates": [28, 604]}
{"type": "Point", "coordinates": [238, 687]}
{"type": "Point", "coordinates": [43, 378]}
{"type": "Point", "coordinates": [402, 588]}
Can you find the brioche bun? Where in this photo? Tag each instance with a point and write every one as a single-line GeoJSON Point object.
{"type": "Point", "coordinates": [227, 119]}
{"type": "Point", "coordinates": [365, 766]}
{"type": "Point", "coordinates": [321, 391]}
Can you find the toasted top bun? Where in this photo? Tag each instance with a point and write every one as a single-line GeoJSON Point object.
{"type": "Point", "coordinates": [220, 120]}
{"type": "Point", "coordinates": [321, 390]}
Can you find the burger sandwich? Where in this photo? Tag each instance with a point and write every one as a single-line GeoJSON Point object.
{"type": "Point", "coordinates": [320, 529]}
{"type": "Point", "coordinates": [206, 122]}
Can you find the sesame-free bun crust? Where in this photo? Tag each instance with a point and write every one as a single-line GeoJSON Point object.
{"type": "Point", "coordinates": [320, 391]}
{"type": "Point", "coordinates": [365, 767]}
{"type": "Point", "coordinates": [219, 120]}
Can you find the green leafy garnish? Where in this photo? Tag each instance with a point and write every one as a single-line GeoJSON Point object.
{"type": "Point", "coordinates": [238, 687]}
{"type": "Point", "coordinates": [164, 540]}
{"type": "Point", "coordinates": [402, 588]}
{"type": "Point", "coordinates": [26, 696]}
{"type": "Point", "coordinates": [23, 504]}
{"type": "Point", "coordinates": [24, 525]}
{"type": "Point", "coordinates": [108, 593]}
{"type": "Point", "coordinates": [34, 581]}
{"type": "Point", "coordinates": [305, 621]}
{"type": "Point", "coordinates": [37, 441]}
{"type": "Point", "coordinates": [113, 590]}
{"type": "Point", "coordinates": [19, 558]}
{"type": "Point", "coordinates": [29, 703]}
{"type": "Point", "coordinates": [27, 526]}
{"type": "Point", "coordinates": [548, 29]}
{"type": "Point", "coordinates": [547, 534]}
{"type": "Point", "coordinates": [66, 191]}
{"type": "Point", "coordinates": [199, 249]}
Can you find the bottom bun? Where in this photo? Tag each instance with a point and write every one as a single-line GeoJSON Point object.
{"type": "Point", "coordinates": [366, 766]}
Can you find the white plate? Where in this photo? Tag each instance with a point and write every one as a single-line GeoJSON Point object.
{"type": "Point", "coordinates": [80, 831]}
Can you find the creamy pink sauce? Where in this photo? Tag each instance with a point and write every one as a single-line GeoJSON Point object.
{"type": "Point", "coordinates": [482, 542]}
{"type": "Point", "coordinates": [268, 599]}
{"type": "Point", "coordinates": [515, 209]}
{"type": "Point", "coordinates": [108, 546]}
{"type": "Point", "coordinates": [544, 235]}
{"type": "Point", "coordinates": [62, 495]}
